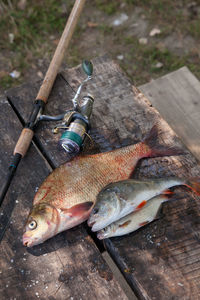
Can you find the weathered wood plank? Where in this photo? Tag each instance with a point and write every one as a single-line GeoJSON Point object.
{"type": "Point", "coordinates": [167, 275]}
{"type": "Point", "coordinates": [123, 116]}
{"type": "Point", "coordinates": [68, 266]}
{"type": "Point", "coordinates": [176, 97]}
{"type": "Point", "coordinates": [60, 100]}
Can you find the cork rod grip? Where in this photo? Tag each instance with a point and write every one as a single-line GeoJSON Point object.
{"type": "Point", "coordinates": [24, 141]}
{"type": "Point", "coordinates": [60, 51]}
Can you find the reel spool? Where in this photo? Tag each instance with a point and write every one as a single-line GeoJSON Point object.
{"type": "Point", "coordinates": [77, 126]}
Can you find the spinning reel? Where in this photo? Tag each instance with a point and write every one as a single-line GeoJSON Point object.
{"type": "Point", "coordinates": [76, 122]}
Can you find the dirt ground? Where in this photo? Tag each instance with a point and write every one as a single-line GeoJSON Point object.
{"type": "Point", "coordinates": [147, 38]}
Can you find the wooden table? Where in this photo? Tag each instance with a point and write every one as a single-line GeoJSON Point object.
{"type": "Point", "coordinates": [161, 260]}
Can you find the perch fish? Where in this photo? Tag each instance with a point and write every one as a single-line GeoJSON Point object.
{"type": "Point", "coordinates": [121, 198]}
{"type": "Point", "coordinates": [134, 220]}
{"type": "Point", "coordinates": [65, 199]}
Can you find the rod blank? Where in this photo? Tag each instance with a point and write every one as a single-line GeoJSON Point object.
{"type": "Point", "coordinates": [60, 51]}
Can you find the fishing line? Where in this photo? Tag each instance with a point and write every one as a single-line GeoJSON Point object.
{"type": "Point", "coordinates": [63, 78]}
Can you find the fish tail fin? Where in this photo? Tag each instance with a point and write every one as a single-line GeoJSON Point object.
{"type": "Point", "coordinates": [194, 185]}
{"type": "Point", "coordinates": [155, 148]}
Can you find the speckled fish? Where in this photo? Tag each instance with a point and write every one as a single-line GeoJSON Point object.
{"type": "Point", "coordinates": [121, 198]}
{"type": "Point", "coordinates": [66, 197]}
{"type": "Point", "coordinates": [134, 220]}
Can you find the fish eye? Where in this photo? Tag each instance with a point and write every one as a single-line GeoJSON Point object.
{"type": "Point", "coordinates": [32, 225]}
{"type": "Point", "coordinates": [95, 210]}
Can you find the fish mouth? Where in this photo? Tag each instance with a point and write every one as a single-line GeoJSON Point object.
{"type": "Point", "coordinates": [91, 223]}
{"type": "Point", "coordinates": [27, 242]}
{"type": "Point", "coordinates": [99, 224]}
{"type": "Point", "coordinates": [101, 235]}
{"type": "Point", "coordinates": [96, 226]}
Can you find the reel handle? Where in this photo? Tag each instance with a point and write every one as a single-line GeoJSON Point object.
{"type": "Point", "coordinates": [87, 67]}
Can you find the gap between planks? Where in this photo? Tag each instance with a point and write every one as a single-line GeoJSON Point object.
{"type": "Point", "coordinates": [119, 276]}
{"type": "Point", "coordinates": [113, 267]}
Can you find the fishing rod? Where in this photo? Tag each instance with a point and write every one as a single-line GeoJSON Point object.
{"type": "Point", "coordinates": [27, 133]}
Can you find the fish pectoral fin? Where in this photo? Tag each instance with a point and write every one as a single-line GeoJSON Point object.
{"type": "Point", "coordinates": [66, 212]}
{"type": "Point", "coordinates": [142, 204]}
{"type": "Point", "coordinates": [79, 209]}
{"type": "Point", "coordinates": [125, 223]}
{"type": "Point", "coordinates": [144, 223]}
{"type": "Point", "coordinates": [167, 192]}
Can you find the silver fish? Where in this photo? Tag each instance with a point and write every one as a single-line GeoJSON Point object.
{"type": "Point", "coordinates": [121, 198]}
{"type": "Point", "coordinates": [134, 220]}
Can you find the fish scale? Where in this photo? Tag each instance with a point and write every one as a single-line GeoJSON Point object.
{"type": "Point", "coordinates": [82, 179]}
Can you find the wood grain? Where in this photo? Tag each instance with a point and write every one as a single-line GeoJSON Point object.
{"type": "Point", "coordinates": [176, 97]}
{"type": "Point", "coordinates": [68, 266]}
{"type": "Point", "coordinates": [160, 261]}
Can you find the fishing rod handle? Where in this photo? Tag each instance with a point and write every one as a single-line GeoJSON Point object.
{"type": "Point", "coordinates": [24, 141]}
{"type": "Point", "coordinates": [60, 51]}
